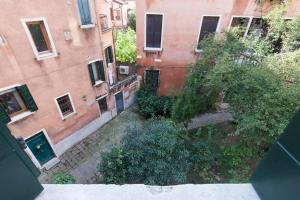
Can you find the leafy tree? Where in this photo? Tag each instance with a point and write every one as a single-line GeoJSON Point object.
{"type": "Point", "coordinates": [132, 20]}
{"type": "Point", "coordinates": [63, 178]}
{"type": "Point", "coordinates": [126, 46]}
{"type": "Point", "coordinates": [152, 154]}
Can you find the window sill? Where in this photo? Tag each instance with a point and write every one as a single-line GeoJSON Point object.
{"type": "Point", "coordinates": [152, 49]}
{"type": "Point", "coordinates": [87, 26]}
{"type": "Point", "coordinates": [20, 117]}
{"type": "Point", "coordinates": [46, 56]}
{"type": "Point", "coordinates": [97, 83]}
{"type": "Point", "coordinates": [198, 50]}
{"type": "Point", "coordinates": [67, 116]}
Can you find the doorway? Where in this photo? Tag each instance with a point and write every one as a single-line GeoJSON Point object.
{"type": "Point", "coordinates": [152, 80]}
{"type": "Point", "coordinates": [119, 102]}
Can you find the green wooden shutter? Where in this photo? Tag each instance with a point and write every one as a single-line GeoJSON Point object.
{"type": "Point", "coordinates": [4, 117]}
{"type": "Point", "coordinates": [27, 98]}
{"type": "Point", "coordinates": [101, 68]}
{"type": "Point", "coordinates": [90, 66]}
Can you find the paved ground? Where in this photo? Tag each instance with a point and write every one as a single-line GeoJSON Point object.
{"type": "Point", "coordinates": [142, 192]}
{"type": "Point", "coordinates": [82, 159]}
{"type": "Point", "coordinates": [210, 118]}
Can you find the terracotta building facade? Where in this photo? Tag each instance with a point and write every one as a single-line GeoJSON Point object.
{"type": "Point", "coordinates": [58, 76]}
{"type": "Point", "coordinates": [168, 34]}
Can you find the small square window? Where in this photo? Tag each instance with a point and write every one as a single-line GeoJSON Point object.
{"type": "Point", "coordinates": [12, 102]}
{"type": "Point", "coordinates": [103, 105]}
{"type": "Point", "coordinates": [65, 105]}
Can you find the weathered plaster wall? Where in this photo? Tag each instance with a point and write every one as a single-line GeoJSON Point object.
{"type": "Point", "coordinates": [180, 32]}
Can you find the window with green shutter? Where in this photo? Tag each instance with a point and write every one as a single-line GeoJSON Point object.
{"type": "Point", "coordinates": [96, 71]}
{"type": "Point", "coordinates": [15, 101]}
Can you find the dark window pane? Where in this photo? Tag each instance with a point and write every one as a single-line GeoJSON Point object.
{"type": "Point", "coordinates": [84, 10]}
{"type": "Point", "coordinates": [209, 26]}
{"type": "Point", "coordinates": [40, 40]}
{"type": "Point", "coordinates": [153, 32]}
{"type": "Point", "coordinates": [109, 55]}
{"type": "Point", "coordinates": [65, 105]}
{"type": "Point", "coordinates": [242, 23]}
{"type": "Point", "coordinates": [103, 105]}
{"type": "Point", "coordinates": [258, 27]}
{"type": "Point", "coordinates": [12, 102]}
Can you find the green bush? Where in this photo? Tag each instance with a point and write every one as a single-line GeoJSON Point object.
{"type": "Point", "coordinates": [132, 20]}
{"type": "Point", "coordinates": [63, 178]}
{"type": "Point", "coordinates": [156, 154]}
{"type": "Point", "coordinates": [126, 46]}
{"type": "Point", "coordinates": [153, 106]}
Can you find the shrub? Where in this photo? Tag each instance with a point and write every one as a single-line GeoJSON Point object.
{"type": "Point", "coordinates": [153, 106]}
{"type": "Point", "coordinates": [155, 154]}
{"type": "Point", "coordinates": [126, 46]}
{"type": "Point", "coordinates": [63, 178]}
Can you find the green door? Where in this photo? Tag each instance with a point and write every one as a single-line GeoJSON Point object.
{"type": "Point", "coordinates": [17, 172]}
{"type": "Point", "coordinates": [40, 147]}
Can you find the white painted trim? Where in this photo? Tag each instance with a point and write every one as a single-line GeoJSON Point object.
{"type": "Point", "coordinates": [20, 116]}
{"type": "Point", "coordinates": [217, 29]}
{"type": "Point", "coordinates": [98, 83]}
{"type": "Point", "coordinates": [145, 32]}
{"type": "Point", "coordinates": [57, 105]}
{"type": "Point", "coordinates": [28, 150]}
{"type": "Point", "coordinates": [4, 89]}
{"type": "Point", "coordinates": [241, 16]}
{"type": "Point", "coordinates": [91, 13]}
{"type": "Point", "coordinates": [116, 101]}
{"type": "Point", "coordinates": [95, 60]}
{"type": "Point", "coordinates": [35, 51]}
{"type": "Point", "coordinates": [102, 97]}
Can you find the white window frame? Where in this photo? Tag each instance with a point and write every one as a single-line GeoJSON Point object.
{"type": "Point", "coordinates": [217, 29]}
{"type": "Point", "coordinates": [145, 32]}
{"type": "Point", "coordinates": [92, 25]}
{"type": "Point", "coordinates": [99, 82]}
{"type": "Point", "coordinates": [242, 16]}
{"type": "Point", "coordinates": [32, 156]}
{"type": "Point", "coordinates": [39, 56]}
{"type": "Point", "coordinates": [60, 112]}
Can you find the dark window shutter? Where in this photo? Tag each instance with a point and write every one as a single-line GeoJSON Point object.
{"type": "Point", "coordinates": [4, 117]}
{"type": "Point", "coordinates": [91, 74]}
{"type": "Point", "coordinates": [109, 55]}
{"type": "Point", "coordinates": [209, 25]}
{"type": "Point", "coordinates": [27, 98]}
{"type": "Point", "coordinates": [153, 32]}
{"type": "Point", "coordinates": [85, 13]}
{"type": "Point", "coordinates": [101, 68]}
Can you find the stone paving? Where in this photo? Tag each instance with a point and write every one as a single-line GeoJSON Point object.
{"type": "Point", "coordinates": [82, 159]}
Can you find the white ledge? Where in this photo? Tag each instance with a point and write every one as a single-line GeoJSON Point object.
{"type": "Point", "coordinates": [20, 117]}
{"type": "Point", "coordinates": [98, 83]}
{"type": "Point", "coordinates": [143, 192]}
{"type": "Point", "coordinates": [46, 56]}
{"type": "Point", "coordinates": [152, 49]}
{"type": "Point", "coordinates": [87, 26]}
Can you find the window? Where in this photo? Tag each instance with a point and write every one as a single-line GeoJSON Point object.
{"type": "Point", "coordinates": [40, 38]}
{"type": "Point", "coordinates": [102, 105]}
{"type": "Point", "coordinates": [109, 55]}
{"type": "Point", "coordinates": [104, 22]}
{"type": "Point", "coordinates": [118, 14]}
{"type": "Point", "coordinates": [96, 71]}
{"type": "Point", "coordinates": [242, 23]}
{"type": "Point", "coordinates": [65, 105]}
{"type": "Point", "coordinates": [154, 23]}
{"type": "Point", "coordinates": [209, 25]}
{"type": "Point", "coordinates": [84, 12]}
{"type": "Point", "coordinates": [258, 27]}
{"type": "Point", "coordinates": [14, 102]}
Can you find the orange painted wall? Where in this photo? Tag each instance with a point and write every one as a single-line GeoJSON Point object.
{"type": "Point", "coordinates": [180, 32]}
{"type": "Point", "coordinates": [52, 77]}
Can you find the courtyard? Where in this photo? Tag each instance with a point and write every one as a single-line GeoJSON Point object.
{"type": "Point", "coordinates": [82, 159]}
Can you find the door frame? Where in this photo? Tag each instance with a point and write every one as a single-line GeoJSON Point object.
{"type": "Point", "coordinates": [158, 80]}
{"type": "Point", "coordinates": [116, 101]}
{"type": "Point", "coordinates": [32, 156]}
{"type": "Point", "coordinates": [97, 101]}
